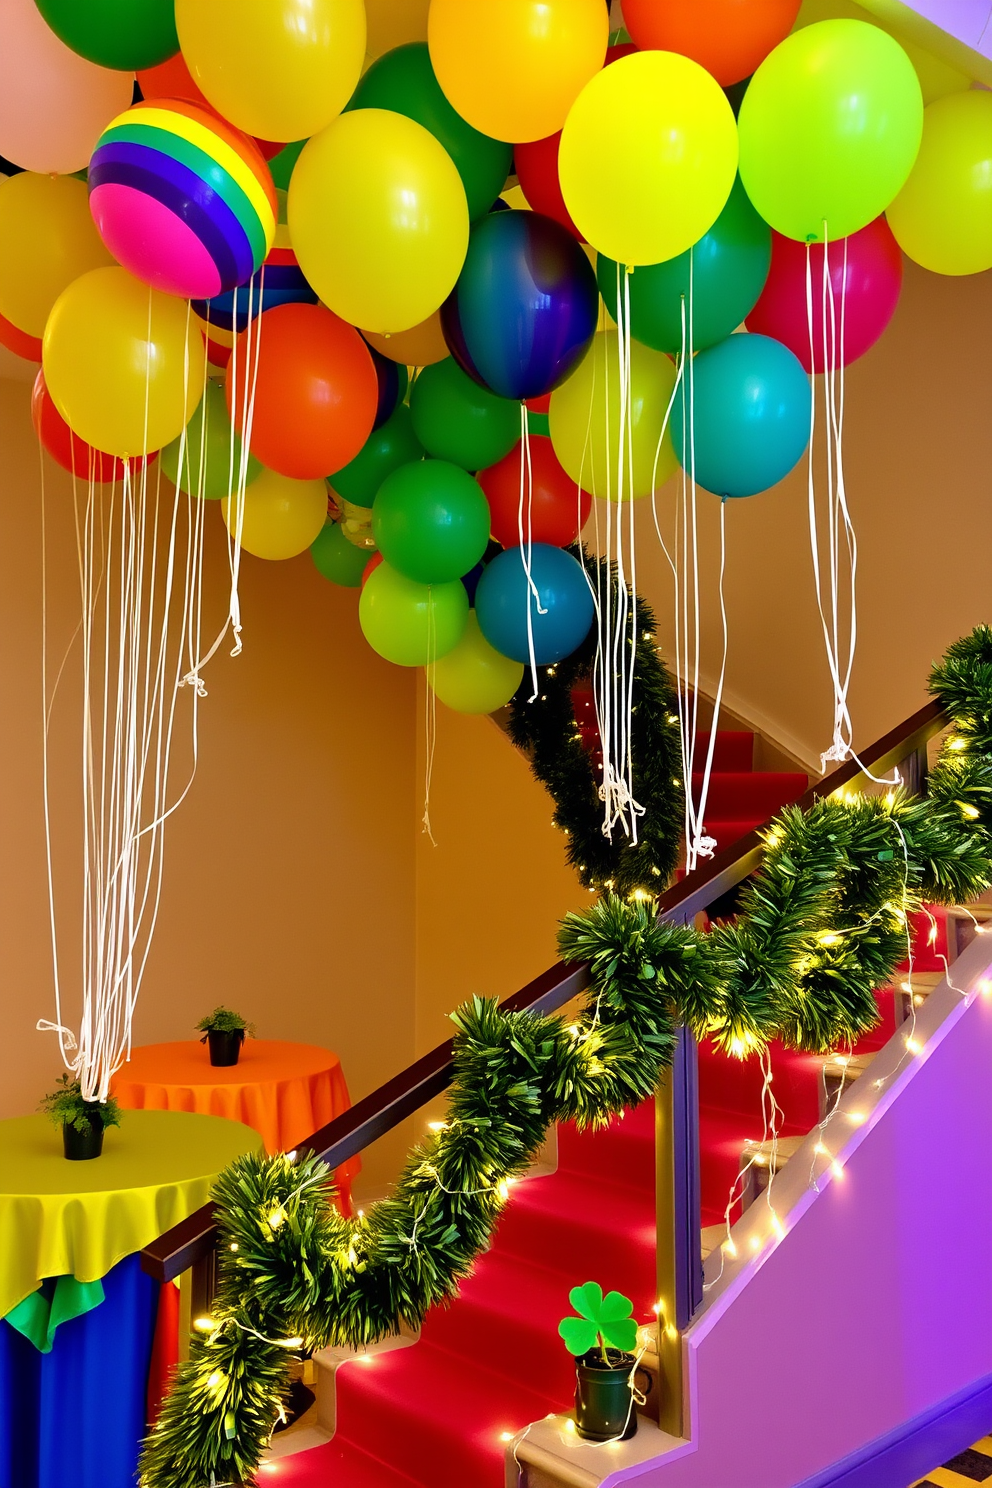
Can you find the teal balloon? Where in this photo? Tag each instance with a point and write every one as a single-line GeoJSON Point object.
{"type": "Point", "coordinates": [208, 442]}
{"type": "Point", "coordinates": [729, 267]}
{"type": "Point", "coordinates": [403, 81]}
{"type": "Point", "coordinates": [752, 400]}
{"type": "Point", "coordinates": [387, 448]}
{"type": "Point", "coordinates": [338, 559]}
{"type": "Point", "coordinates": [431, 521]}
{"type": "Point", "coordinates": [455, 419]}
{"type": "Point", "coordinates": [408, 623]}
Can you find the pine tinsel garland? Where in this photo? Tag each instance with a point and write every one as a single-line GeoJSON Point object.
{"type": "Point", "coordinates": [821, 928]}
{"type": "Point", "coordinates": [547, 729]}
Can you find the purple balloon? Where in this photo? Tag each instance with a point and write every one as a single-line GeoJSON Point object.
{"type": "Point", "coordinates": [525, 307]}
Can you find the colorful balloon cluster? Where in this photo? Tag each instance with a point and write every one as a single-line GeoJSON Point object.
{"type": "Point", "coordinates": [296, 276]}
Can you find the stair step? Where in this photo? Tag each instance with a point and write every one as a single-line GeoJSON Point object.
{"type": "Point", "coordinates": [589, 1231]}
{"type": "Point", "coordinates": [336, 1462]}
{"type": "Point", "coordinates": [734, 749]}
{"type": "Point", "coordinates": [737, 795]}
{"type": "Point", "coordinates": [516, 1306]}
{"type": "Point", "coordinates": [622, 1153]}
{"type": "Point", "coordinates": [432, 1418]}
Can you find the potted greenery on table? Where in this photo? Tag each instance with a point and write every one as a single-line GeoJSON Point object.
{"type": "Point", "coordinates": [224, 1032]}
{"type": "Point", "coordinates": [602, 1338]}
{"type": "Point", "coordinates": [83, 1122]}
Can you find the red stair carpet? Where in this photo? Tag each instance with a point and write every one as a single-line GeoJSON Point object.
{"type": "Point", "coordinates": [437, 1414]}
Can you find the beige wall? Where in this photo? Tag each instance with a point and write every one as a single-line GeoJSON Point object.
{"type": "Point", "coordinates": [918, 457]}
{"type": "Point", "coordinates": [289, 884]}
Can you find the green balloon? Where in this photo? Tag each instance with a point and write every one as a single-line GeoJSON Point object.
{"type": "Point", "coordinates": [281, 165]}
{"type": "Point", "coordinates": [215, 447]}
{"type": "Point", "coordinates": [455, 419]}
{"type": "Point", "coordinates": [829, 129]}
{"type": "Point", "coordinates": [431, 521]}
{"type": "Point", "coordinates": [393, 444]}
{"type": "Point", "coordinates": [124, 34]}
{"type": "Point", "coordinates": [403, 81]}
{"type": "Point", "coordinates": [408, 623]}
{"type": "Point", "coordinates": [729, 268]}
{"type": "Point", "coordinates": [338, 559]}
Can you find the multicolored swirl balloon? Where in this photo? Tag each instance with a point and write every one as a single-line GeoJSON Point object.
{"type": "Point", "coordinates": [183, 201]}
{"type": "Point", "coordinates": [525, 306]}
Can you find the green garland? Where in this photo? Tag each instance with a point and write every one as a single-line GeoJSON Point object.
{"type": "Point", "coordinates": [546, 728]}
{"type": "Point", "coordinates": [822, 926]}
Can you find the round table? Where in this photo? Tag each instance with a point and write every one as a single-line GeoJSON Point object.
{"type": "Point", "coordinates": [75, 1353]}
{"type": "Point", "coordinates": [285, 1091]}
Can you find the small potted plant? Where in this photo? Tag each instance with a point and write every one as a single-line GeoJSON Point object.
{"type": "Point", "coordinates": [224, 1032]}
{"type": "Point", "coordinates": [602, 1338]}
{"type": "Point", "coordinates": [83, 1122]}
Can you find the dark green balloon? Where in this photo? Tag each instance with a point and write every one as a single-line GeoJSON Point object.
{"type": "Point", "coordinates": [386, 449]}
{"type": "Point", "coordinates": [337, 558]}
{"type": "Point", "coordinates": [431, 521]}
{"type": "Point", "coordinates": [403, 81]}
{"type": "Point", "coordinates": [455, 419]}
{"type": "Point", "coordinates": [281, 165]}
{"type": "Point", "coordinates": [729, 268]}
{"type": "Point", "coordinates": [125, 34]}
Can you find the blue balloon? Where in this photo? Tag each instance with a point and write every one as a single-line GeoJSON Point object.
{"type": "Point", "coordinates": [273, 284]}
{"type": "Point", "coordinates": [525, 307]}
{"type": "Point", "coordinates": [503, 595]}
{"type": "Point", "coordinates": [752, 403]}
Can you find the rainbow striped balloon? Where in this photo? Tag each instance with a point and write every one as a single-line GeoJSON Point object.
{"type": "Point", "coordinates": [182, 199]}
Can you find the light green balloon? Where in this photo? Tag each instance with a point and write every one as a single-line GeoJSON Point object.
{"type": "Point", "coordinates": [408, 623]}
{"type": "Point", "coordinates": [829, 129]}
{"type": "Point", "coordinates": [215, 447]}
{"type": "Point", "coordinates": [475, 677]}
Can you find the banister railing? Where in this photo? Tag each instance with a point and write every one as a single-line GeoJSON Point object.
{"type": "Point", "coordinates": [191, 1243]}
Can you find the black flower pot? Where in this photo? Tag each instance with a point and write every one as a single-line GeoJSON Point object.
{"type": "Point", "coordinates": [604, 1405]}
{"type": "Point", "coordinates": [225, 1045]}
{"type": "Point", "coordinates": [81, 1146]}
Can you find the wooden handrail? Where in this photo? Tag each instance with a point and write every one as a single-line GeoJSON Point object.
{"type": "Point", "coordinates": [193, 1238]}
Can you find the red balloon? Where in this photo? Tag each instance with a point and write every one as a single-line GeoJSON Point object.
{"type": "Point", "coordinates": [316, 391]}
{"type": "Point", "coordinates": [18, 341]}
{"type": "Point", "coordinates": [65, 447]}
{"type": "Point", "coordinates": [536, 165]}
{"type": "Point", "coordinates": [727, 37]}
{"type": "Point", "coordinates": [370, 567]}
{"type": "Point", "coordinates": [558, 510]}
{"type": "Point", "coordinates": [870, 289]}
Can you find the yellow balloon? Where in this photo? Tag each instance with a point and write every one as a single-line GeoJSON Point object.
{"type": "Point", "coordinates": [278, 69]}
{"type": "Point", "coordinates": [584, 419]}
{"type": "Point", "coordinates": [474, 677]}
{"type": "Point", "coordinates": [47, 239]}
{"type": "Point", "coordinates": [513, 68]}
{"type": "Point", "coordinates": [378, 219]}
{"type": "Point", "coordinates": [942, 217]}
{"type": "Point", "coordinates": [281, 516]}
{"type": "Point", "coordinates": [647, 157]}
{"type": "Point", "coordinates": [123, 362]}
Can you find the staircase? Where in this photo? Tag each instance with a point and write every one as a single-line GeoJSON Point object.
{"type": "Point", "coordinates": [440, 1412]}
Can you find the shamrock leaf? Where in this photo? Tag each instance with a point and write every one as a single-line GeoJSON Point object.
{"type": "Point", "coordinates": [606, 1320]}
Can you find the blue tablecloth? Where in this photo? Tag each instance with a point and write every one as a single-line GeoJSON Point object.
{"type": "Point", "coordinates": [74, 1417]}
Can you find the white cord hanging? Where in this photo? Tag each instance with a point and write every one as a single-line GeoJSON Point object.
{"type": "Point", "coordinates": [140, 562]}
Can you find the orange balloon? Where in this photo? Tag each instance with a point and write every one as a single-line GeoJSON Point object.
{"type": "Point", "coordinates": [171, 79]}
{"type": "Point", "coordinates": [420, 346]}
{"type": "Point", "coordinates": [727, 37]}
{"type": "Point", "coordinates": [315, 386]}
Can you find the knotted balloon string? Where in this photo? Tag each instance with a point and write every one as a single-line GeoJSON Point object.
{"type": "Point", "coordinates": [525, 534]}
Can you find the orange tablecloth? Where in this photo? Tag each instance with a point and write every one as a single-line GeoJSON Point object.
{"type": "Point", "coordinates": [285, 1091]}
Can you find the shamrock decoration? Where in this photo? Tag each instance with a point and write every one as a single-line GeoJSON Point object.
{"type": "Point", "coordinates": [602, 1320]}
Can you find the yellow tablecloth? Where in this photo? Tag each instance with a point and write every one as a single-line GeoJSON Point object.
{"type": "Point", "coordinates": [62, 1218]}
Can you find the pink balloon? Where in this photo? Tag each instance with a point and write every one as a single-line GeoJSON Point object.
{"type": "Point", "coordinates": [870, 289]}
{"type": "Point", "coordinates": [54, 105]}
